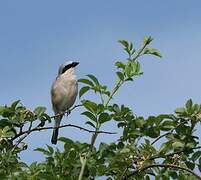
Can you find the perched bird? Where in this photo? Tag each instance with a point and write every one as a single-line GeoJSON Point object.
{"type": "Point", "coordinates": [63, 93]}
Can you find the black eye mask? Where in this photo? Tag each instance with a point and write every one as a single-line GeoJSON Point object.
{"type": "Point", "coordinates": [67, 67]}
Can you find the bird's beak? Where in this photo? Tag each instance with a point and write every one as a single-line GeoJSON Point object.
{"type": "Point", "coordinates": [75, 64]}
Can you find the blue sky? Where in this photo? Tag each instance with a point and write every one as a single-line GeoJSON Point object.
{"type": "Point", "coordinates": [37, 36]}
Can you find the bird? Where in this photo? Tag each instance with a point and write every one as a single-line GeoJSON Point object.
{"type": "Point", "coordinates": [64, 91]}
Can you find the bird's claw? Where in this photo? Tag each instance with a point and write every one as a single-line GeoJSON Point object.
{"type": "Point", "coordinates": [68, 112]}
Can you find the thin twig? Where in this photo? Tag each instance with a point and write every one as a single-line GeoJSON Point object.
{"type": "Point", "coordinates": [163, 135]}
{"type": "Point", "coordinates": [95, 135]}
{"type": "Point", "coordinates": [172, 154]}
{"type": "Point", "coordinates": [159, 137]}
{"type": "Point", "coordinates": [26, 133]}
{"type": "Point", "coordinates": [117, 86]}
{"type": "Point", "coordinates": [71, 125]}
{"type": "Point", "coordinates": [66, 112]}
{"type": "Point", "coordinates": [139, 52]}
{"type": "Point", "coordinates": [123, 176]}
{"type": "Point", "coordinates": [179, 152]}
{"type": "Point", "coordinates": [19, 141]}
{"type": "Point", "coordinates": [66, 125]}
{"type": "Point", "coordinates": [102, 99]}
{"type": "Point", "coordinates": [35, 129]}
{"type": "Point", "coordinates": [163, 166]}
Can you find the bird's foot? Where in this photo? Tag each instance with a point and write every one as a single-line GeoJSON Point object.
{"type": "Point", "coordinates": [68, 112]}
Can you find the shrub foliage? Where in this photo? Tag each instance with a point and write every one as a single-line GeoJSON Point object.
{"type": "Point", "coordinates": [164, 146]}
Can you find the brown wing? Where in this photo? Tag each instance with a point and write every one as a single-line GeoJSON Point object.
{"type": "Point", "coordinates": [56, 99]}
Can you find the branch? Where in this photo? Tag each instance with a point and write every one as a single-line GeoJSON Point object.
{"type": "Point", "coordinates": [163, 135]}
{"type": "Point", "coordinates": [66, 112]}
{"type": "Point", "coordinates": [164, 166]}
{"type": "Point", "coordinates": [123, 176]}
{"type": "Point", "coordinates": [67, 125]}
{"type": "Point", "coordinates": [116, 87]}
{"type": "Point", "coordinates": [71, 125]}
{"type": "Point", "coordinates": [19, 141]}
{"type": "Point", "coordinates": [179, 152]}
{"type": "Point", "coordinates": [34, 129]}
{"type": "Point", "coordinates": [173, 153]}
{"type": "Point", "coordinates": [139, 52]}
{"type": "Point", "coordinates": [38, 128]}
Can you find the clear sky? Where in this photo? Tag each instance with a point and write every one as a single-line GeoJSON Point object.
{"type": "Point", "coordinates": [37, 36]}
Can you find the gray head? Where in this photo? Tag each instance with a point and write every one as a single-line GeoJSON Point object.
{"type": "Point", "coordinates": [67, 65]}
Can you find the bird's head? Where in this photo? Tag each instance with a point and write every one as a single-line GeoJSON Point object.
{"type": "Point", "coordinates": [66, 66]}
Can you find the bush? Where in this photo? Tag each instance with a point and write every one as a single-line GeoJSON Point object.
{"type": "Point", "coordinates": [137, 154]}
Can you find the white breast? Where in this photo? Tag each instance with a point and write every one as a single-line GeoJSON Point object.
{"type": "Point", "coordinates": [64, 91]}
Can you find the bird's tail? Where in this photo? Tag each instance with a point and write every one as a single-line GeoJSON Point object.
{"type": "Point", "coordinates": [56, 130]}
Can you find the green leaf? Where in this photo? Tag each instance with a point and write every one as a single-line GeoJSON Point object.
{"type": "Point", "coordinates": [165, 147]}
{"type": "Point", "coordinates": [124, 43]}
{"type": "Point", "coordinates": [44, 151]}
{"type": "Point", "coordinates": [130, 46]}
{"type": "Point", "coordinates": [121, 124]}
{"type": "Point", "coordinates": [196, 155]}
{"type": "Point", "coordinates": [5, 129]}
{"type": "Point", "coordinates": [72, 154]}
{"type": "Point", "coordinates": [151, 120]}
{"type": "Point", "coordinates": [152, 51]}
{"type": "Point", "coordinates": [147, 178]}
{"type": "Point", "coordinates": [14, 104]}
{"type": "Point", "coordinates": [104, 117]}
{"type": "Point", "coordinates": [66, 140]}
{"type": "Point", "coordinates": [196, 108]}
{"type": "Point", "coordinates": [129, 79]}
{"type": "Point", "coordinates": [120, 75]}
{"type": "Point", "coordinates": [137, 69]}
{"type": "Point", "coordinates": [192, 144]}
{"type": "Point", "coordinates": [6, 111]}
{"type": "Point", "coordinates": [152, 132]}
{"type": "Point", "coordinates": [200, 161]}
{"type": "Point", "coordinates": [180, 110]}
{"type": "Point", "coordinates": [199, 167]}
{"type": "Point", "coordinates": [190, 165]}
{"type": "Point", "coordinates": [125, 150]}
{"type": "Point", "coordinates": [51, 150]}
{"type": "Point", "coordinates": [140, 122]}
{"type": "Point", "coordinates": [120, 64]}
{"type": "Point", "coordinates": [91, 106]}
{"type": "Point", "coordinates": [91, 124]}
{"type": "Point", "coordinates": [46, 117]}
{"type": "Point", "coordinates": [39, 111]}
{"type": "Point", "coordinates": [89, 115]}
{"type": "Point", "coordinates": [100, 108]}
{"type": "Point", "coordinates": [128, 70]}
{"type": "Point", "coordinates": [2, 108]}
{"type": "Point", "coordinates": [167, 125]}
{"type": "Point", "coordinates": [147, 40]}
{"type": "Point", "coordinates": [93, 78]}
{"type": "Point", "coordinates": [5, 122]}
{"type": "Point", "coordinates": [189, 104]}
{"type": "Point", "coordinates": [86, 81]}
{"type": "Point", "coordinates": [177, 145]}
{"type": "Point", "coordinates": [127, 50]}
{"type": "Point", "coordinates": [83, 90]}
{"type": "Point", "coordinates": [7, 132]}
{"type": "Point", "coordinates": [102, 148]}
{"type": "Point", "coordinates": [190, 107]}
